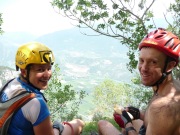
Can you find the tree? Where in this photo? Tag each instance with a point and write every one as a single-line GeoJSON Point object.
{"type": "Point", "coordinates": [126, 20]}
{"type": "Point", "coordinates": [174, 9]}
{"type": "Point", "coordinates": [63, 101]}
{"type": "Point", "coordinates": [1, 21]}
{"type": "Point", "coordinates": [121, 94]}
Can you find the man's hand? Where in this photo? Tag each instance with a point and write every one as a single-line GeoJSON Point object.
{"type": "Point", "coordinates": [134, 111]}
{"type": "Point", "coordinates": [123, 119]}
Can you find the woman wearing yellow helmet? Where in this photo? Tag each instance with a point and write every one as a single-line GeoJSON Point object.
{"type": "Point", "coordinates": [33, 118]}
{"type": "Point", "coordinates": [35, 57]}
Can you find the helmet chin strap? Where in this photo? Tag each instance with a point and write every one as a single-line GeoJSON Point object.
{"type": "Point", "coordinates": [164, 75]}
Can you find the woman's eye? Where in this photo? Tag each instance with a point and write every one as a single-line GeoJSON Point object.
{"type": "Point", "coordinates": [40, 70]}
{"type": "Point", "coordinates": [49, 68]}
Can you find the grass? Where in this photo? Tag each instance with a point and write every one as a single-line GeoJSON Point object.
{"type": "Point", "coordinates": [92, 126]}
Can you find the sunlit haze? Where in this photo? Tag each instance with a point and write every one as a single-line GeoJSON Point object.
{"type": "Point", "coordinates": [35, 16]}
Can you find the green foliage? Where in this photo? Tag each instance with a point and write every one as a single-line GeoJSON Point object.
{"type": "Point", "coordinates": [98, 116]}
{"type": "Point", "coordinates": [140, 96]}
{"type": "Point", "coordinates": [62, 99]}
{"type": "Point", "coordinates": [174, 9]}
{"type": "Point", "coordinates": [125, 20]}
{"type": "Point", "coordinates": [106, 95]}
{"type": "Point", "coordinates": [176, 73]}
{"type": "Point", "coordinates": [118, 19]}
{"type": "Point", "coordinates": [92, 126]}
{"type": "Point", "coordinates": [109, 93]}
{"type": "Point", "coordinates": [1, 21]}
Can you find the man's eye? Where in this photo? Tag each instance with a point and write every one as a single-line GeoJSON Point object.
{"type": "Point", "coordinates": [154, 62]}
{"type": "Point", "coordinates": [140, 61]}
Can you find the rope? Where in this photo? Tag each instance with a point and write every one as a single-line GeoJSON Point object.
{"type": "Point", "coordinates": [70, 126]}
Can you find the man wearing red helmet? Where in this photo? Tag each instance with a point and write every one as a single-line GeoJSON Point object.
{"type": "Point", "coordinates": [159, 54]}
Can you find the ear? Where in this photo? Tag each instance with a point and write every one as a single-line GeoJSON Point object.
{"type": "Point", "coordinates": [171, 65]}
{"type": "Point", "coordinates": [23, 72]}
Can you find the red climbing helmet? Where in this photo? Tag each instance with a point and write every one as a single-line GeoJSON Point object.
{"type": "Point", "coordinates": [164, 41]}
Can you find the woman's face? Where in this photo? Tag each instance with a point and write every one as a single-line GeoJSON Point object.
{"type": "Point", "coordinates": [151, 64]}
{"type": "Point", "coordinates": [39, 75]}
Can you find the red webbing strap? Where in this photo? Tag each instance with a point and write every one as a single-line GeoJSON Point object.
{"type": "Point", "coordinates": [70, 126]}
{"type": "Point", "coordinates": [14, 106]}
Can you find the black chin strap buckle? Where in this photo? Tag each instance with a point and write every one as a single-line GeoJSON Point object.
{"type": "Point", "coordinates": [164, 75]}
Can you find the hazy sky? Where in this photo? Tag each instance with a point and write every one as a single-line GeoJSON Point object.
{"type": "Point", "coordinates": [34, 16]}
{"type": "Point", "coordinates": [38, 16]}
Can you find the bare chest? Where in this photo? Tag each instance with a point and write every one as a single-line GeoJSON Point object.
{"type": "Point", "coordinates": [163, 113]}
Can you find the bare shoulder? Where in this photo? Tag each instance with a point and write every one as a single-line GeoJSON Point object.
{"type": "Point", "coordinates": [168, 106]}
{"type": "Point", "coordinates": [165, 105]}
{"type": "Point", "coordinates": [175, 100]}
{"type": "Point", "coordinates": [169, 103]}
{"type": "Point", "coordinates": [164, 114]}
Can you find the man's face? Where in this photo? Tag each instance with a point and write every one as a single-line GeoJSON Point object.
{"type": "Point", "coordinates": [151, 64]}
{"type": "Point", "coordinates": [40, 75]}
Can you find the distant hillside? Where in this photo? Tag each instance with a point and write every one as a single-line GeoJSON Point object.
{"type": "Point", "coordinates": [85, 61]}
{"type": "Point", "coordinates": [73, 50]}
{"type": "Point", "coordinates": [6, 73]}
{"type": "Point", "coordinates": [85, 57]}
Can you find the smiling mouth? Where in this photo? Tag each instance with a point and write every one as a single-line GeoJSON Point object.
{"type": "Point", "coordinates": [44, 81]}
{"type": "Point", "coordinates": [145, 75]}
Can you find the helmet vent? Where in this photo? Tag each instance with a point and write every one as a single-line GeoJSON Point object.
{"type": "Point", "coordinates": [170, 43]}
{"type": "Point", "coordinates": [176, 47]}
{"type": "Point", "coordinates": [155, 31]}
{"type": "Point", "coordinates": [164, 33]}
{"type": "Point", "coordinates": [160, 36]}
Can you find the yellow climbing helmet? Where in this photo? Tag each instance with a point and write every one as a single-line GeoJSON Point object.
{"type": "Point", "coordinates": [33, 53]}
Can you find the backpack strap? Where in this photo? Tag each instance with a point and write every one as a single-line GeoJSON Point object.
{"type": "Point", "coordinates": [8, 111]}
{"type": "Point", "coordinates": [3, 87]}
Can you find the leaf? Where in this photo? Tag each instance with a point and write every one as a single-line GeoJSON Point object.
{"type": "Point", "coordinates": [115, 6]}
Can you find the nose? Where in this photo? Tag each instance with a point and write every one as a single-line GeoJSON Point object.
{"type": "Point", "coordinates": [47, 73]}
{"type": "Point", "coordinates": [143, 66]}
